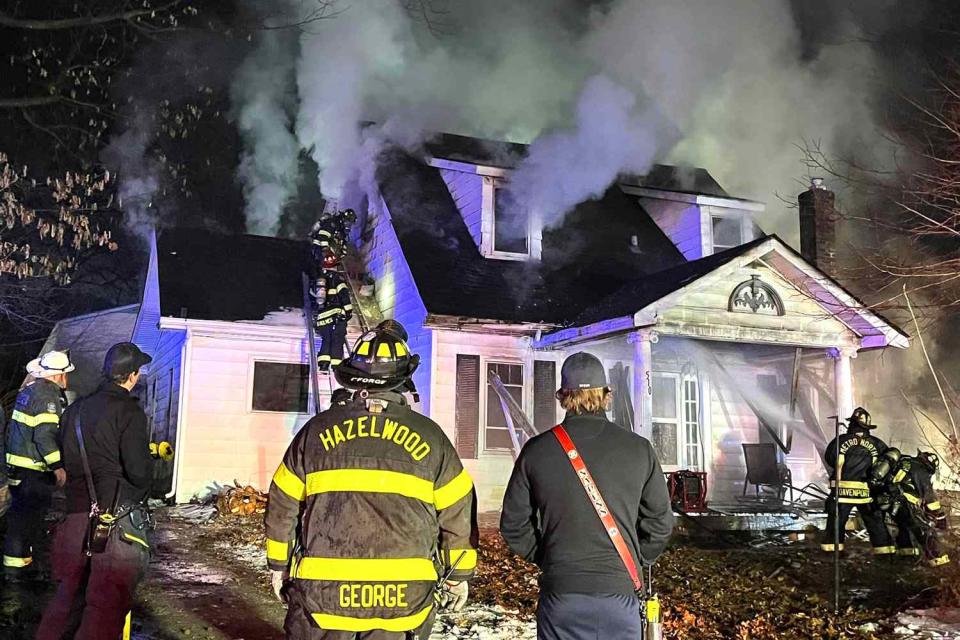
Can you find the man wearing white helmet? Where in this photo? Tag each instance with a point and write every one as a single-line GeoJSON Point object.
{"type": "Point", "coordinates": [33, 457]}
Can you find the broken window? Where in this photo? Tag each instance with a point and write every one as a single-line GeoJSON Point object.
{"type": "Point", "coordinates": [511, 228]}
{"type": "Point", "coordinates": [495, 428]}
{"type": "Point", "coordinates": [727, 233]}
{"type": "Point", "coordinates": [281, 387]}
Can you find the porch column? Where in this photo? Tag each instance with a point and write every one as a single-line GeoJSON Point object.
{"type": "Point", "coordinates": [643, 380]}
{"type": "Point", "coordinates": [843, 379]}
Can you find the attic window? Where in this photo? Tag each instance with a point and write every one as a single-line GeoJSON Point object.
{"type": "Point", "coordinates": [511, 225]}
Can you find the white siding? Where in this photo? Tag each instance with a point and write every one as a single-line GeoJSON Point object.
{"type": "Point", "coordinates": [491, 470]}
{"type": "Point", "coordinates": [467, 192]}
{"type": "Point", "coordinates": [397, 295]}
{"type": "Point", "coordinates": [222, 438]}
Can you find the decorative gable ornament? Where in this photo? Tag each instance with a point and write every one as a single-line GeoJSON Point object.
{"type": "Point", "coordinates": [755, 296]}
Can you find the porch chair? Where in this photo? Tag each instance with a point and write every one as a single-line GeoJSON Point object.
{"type": "Point", "coordinates": [765, 470]}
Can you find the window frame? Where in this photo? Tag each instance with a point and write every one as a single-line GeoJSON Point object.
{"type": "Point", "coordinates": [681, 424]}
{"type": "Point", "coordinates": [275, 360]}
{"type": "Point", "coordinates": [485, 398]}
{"type": "Point", "coordinates": [488, 226]}
{"type": "Point", "coordinates": [739, 217]}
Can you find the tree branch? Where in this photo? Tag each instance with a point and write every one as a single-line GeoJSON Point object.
{"type": "Point", "coordinates": [34, 101]}
{"type": "Point", "coordinates": [87, 21]}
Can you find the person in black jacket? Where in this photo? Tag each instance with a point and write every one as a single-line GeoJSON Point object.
{"type": "Point", "coordinates": [95, 592]}
{"type": "Point", "coordinates": [585, 590]}
{"type": "Point", "coordinates": [855, 452]}
{"type": "Point", "coordinates": [4, 488]}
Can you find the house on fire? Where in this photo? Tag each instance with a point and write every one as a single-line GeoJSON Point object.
{"type": "Point", "coordinates": [713, 333]}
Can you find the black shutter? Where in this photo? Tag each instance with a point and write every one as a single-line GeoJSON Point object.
{"type": "Point", "coordinates": [544, 394]}
{"type": "Point", "coordinates": [467, 417]}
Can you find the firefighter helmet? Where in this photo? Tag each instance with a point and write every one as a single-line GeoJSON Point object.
{"type": "Point", "coordinates": [380, 360]}
{"type": "Point", "coordinates": [50, 364]}
{"type": "Point", "coordinates": [929, 459]}
{"type": "Point", "coordinates": [330, 260]}
{"type": "Point", "coordinates": [860, 419]}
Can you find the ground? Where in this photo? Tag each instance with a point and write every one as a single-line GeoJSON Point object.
{"type": "Point", "coordinates": [210, 581]}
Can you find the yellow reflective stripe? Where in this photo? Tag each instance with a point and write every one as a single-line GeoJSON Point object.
{"type": "Point", "coordinates": [288, 482]}
{"type": "Point", "coordinates": [912, 499]}
{"type": "Point", "coordinates": [400, 349]}
{"type": "Point", "coordinates": [855, 500]}
{"type": "Point", "coordinates": [133, 538]}
{"type": "Point", "coordinates": [468, 561]}
{"type": "Point", "coordinates": [452, 492]}
{"type": "Point", "coordinates": [908, 551]}
{"type": "Point", "coordinates": [330, 313]}
{"type": "Point", "coordinates": [936, 562]}
{"type": "Point", "coordinates": [323, 232]}
{"type": "Point", "coordinates": [366, 569]}
{"type": "Point", "coordinates": [370, 481]}
{"type": "Point", "coordinates": [363, 349]}
{"type": "Point", "coordinates": [52, 458]}
{"type": "Point", "coordinates": [883, 551]}
{"type": "Point", "coordinates": [383, 350]}
{"type": "Point", "coordinates": [851, 484]}
{"type": "Point", "coordinates": [277, 551]}
{"type": "Point", "coordinates": [33, 421]}
{"type": "Point", "coordinates": [19, 563]}
{"type": "Point", "coordinates": [348, 623]}
{"type": "Point", "coordinates": [933, 506]}
{"type": "Point", "coordinates": [829, 547]}
{"type": "Point", "coordinates": [900, 475]}
{"type": "Point", "coordinates": [25, 463]}
{"type": "Point", "coordinates": [340, 287]}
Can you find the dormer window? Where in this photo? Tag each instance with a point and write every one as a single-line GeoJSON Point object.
{"type": "Point", "coordinates": [507, 231]}
{"type": "Point", "coordinates": [727, 232]}
{"type": "Point", "coordinates": [511, 224]}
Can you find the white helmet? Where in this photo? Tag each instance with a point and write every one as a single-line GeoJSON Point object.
{"type": "Point", "coordinates": [50, 364]}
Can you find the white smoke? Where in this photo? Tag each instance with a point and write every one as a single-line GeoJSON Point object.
{"type": "Point", "coordinates": [729, 80]}
{"type": "Point", "coordinates": [138, 174]}
{"type": "Point", "coordinates": [264, 93]}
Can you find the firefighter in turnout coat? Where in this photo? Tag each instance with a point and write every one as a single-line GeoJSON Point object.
{"type": "Point", "coordinates": [370, 509]}
{"type": "Point", "coordinates": [33, 457]}
{"type": "Point", "coordinates": [855, 452]}
{"type": "Point", "coordinates": [917, 513]}
{"type": "Point", "coordinates": [333, 310]}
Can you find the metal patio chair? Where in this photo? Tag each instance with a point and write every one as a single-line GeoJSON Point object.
{"type": "Point", "coordinates": [765, 470]}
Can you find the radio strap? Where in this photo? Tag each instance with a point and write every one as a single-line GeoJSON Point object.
{"type": "Point", "coordinates": [600, 506]}
{"type": "Point", "coordinates": [91, 489]}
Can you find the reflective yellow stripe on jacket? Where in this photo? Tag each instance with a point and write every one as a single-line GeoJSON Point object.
{"type": "Point", "coordinates": [452, 492]}
{"type": "Point", "coordinates": [347, 623]}
{"type": "Point", "coordinates": [370, 481]}
{"type": "Point", "coordinates": [278, 551]}
{"type": "Point", "coordinates": [25, 463]}
{"type": "Point", "coordinates": [34, 421]}
{"type": "Point", "coordinates": [288, 482]}
{"type": "Point", "coordinates": [366, 569]}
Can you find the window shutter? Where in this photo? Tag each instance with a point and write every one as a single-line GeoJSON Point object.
{"type": "Point", "coordinates": [544, 394]}
{"type": "Point", "coordinates": [467, 415]}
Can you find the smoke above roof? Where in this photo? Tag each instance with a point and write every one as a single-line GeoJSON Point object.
{"type": "Point", "coordinates": [598, 89]}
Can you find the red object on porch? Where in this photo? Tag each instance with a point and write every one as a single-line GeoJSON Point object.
{"type": "Point", "coordinates": [688, 490]}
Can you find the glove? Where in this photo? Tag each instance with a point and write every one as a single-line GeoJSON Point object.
{"type": "Point", "coordinates": [5, 499]}
{"type": "Point", "coordinates": [278, 580]}
{"type": "Point", "coordinates": [162, 451]}
{"type": "Point", "coordinates": [453, 595]}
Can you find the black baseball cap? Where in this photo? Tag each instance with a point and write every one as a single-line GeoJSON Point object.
{"type": "Point", "coordinates": [582, 371]}
{"type": "Point", "coordinates": [124, 358]}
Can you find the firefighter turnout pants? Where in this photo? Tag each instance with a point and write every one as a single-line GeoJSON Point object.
{"type": "Point", "coordinates": [300, 625]}
{"type": "Point", "coordinates": [915, 536]}
{"type": "Point", "coordinates": [94, 593]}
{"type": "Point", "coordinates": [32, 496]}
{"type": "Point", "coordinates": [333, 337]}
{"type": "Point", "coordinates": [872, 517]}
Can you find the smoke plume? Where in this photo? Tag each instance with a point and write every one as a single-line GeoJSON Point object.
{"type": "Point", "coordinates": [138, 174]}
{"type": "Point", "coordinates": [598, 89]}
{"type": "Point", "coordinates": [265, 94]}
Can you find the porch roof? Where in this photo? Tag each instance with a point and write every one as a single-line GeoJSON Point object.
{"type": "Point", "coordinates": [638, 303]}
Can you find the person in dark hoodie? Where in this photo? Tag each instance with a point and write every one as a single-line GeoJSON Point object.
{"type": "Point", "coordinates": [95, 585]}
{"type": "Point", "coordinates": [585, 590]}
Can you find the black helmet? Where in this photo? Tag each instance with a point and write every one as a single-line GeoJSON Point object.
{"type": "Point", "coordinates": [380, 360]}
{"type": "Point", "coordinates": [860, 419]}
{"type": "Point", "coordinates": [929, 459]}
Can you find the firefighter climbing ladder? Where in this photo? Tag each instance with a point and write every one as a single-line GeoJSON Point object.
{"type": "Point", "coordinates": [312, 336]}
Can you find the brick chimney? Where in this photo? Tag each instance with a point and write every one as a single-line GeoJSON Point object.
{"type": "Point", "coordinates": [818, 226]}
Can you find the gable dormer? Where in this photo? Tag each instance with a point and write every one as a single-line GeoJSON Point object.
{"type": "Point", "coordinates": [499, 229]}
{"type": "Point", "coordinates": [694, 211]}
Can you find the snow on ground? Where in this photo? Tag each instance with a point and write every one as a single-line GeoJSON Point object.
{"type": "Point", "coordinates": [929, 623]}
{"type": "Point", "coordinates": [479, 622]}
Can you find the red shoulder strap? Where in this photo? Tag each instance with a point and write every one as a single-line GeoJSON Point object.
{"type": "Point", "coordinates": [593, 494]}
